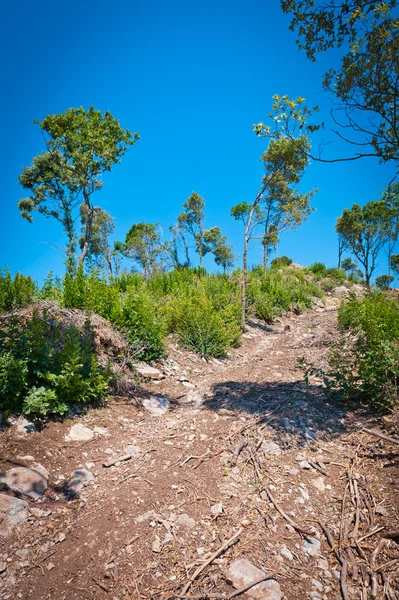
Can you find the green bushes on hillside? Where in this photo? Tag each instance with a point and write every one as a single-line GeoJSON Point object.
{"type": "Point", "coordinates": [44, 368]}
{"type": "Point", "coordinates": [16, 291]}
{"type": "Point", "coordinates": [364, 364]}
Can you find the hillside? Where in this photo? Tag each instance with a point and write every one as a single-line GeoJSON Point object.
{"type": "Point", "coordinates": [212, 464]}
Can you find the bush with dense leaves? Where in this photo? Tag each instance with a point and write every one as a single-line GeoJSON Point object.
{"type": "Point", "coordinates": [45, 368]}
{"type": "Point", "coordinates": [15, 292]}
{"type": "Point", "coordinates": [364, 364]}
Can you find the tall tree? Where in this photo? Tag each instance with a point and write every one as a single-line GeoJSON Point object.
{"type": "Point", "coordinates": [366, 230]}
{"type": "Point", "coordinates": [81, 145]}
{"type": "Point", "coordinates": [143, 245]}
{"type": "Point", "coordinates": [278, 204]}
{"type": "Point", "coordinates": [366, 84]}
{"type": "Point", "coordinates": [192, 220]}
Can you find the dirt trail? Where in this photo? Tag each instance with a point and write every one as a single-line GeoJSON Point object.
{"type": "Point", "coordinates": [143, 526]}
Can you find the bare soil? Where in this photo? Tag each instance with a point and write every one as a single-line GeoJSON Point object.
{"type": "Point", "coordinates": [145, 525]}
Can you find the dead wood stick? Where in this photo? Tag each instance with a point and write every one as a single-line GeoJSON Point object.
{"type": "Point", "coordinates": [286, 517]}
{"type": "Point", "coordinates": [355, 530]}
{"type": "Point", "coordinates": [215, 555]}
{"type": "Point", "coordinates": [387, 565]}
{"type": "Point", "coordinates": [342, 580]}
{"type": "Point", "coordinates": [208, 456]}
{"type": "Point", "coordinates": [393, 535]}
{"type": "Point", "coordinates": [373, 566]}
{"type": "Point", "coordinates": [112, 462]}
{"type": "Point", "coordinates": [101, 585]}
{"type": "Point", "coordinates": [382, 436]}
{"type": "Point", "coordinates": [187, 460]}
{"type": "Point", "coordinates": [316, 466]}
{"type": "Point", "coordinates": [370, 533]}
{"type": "Point", "coordinates": [233, 594]}
{"type": "Point", "coordinates": [237, 450]}
{"type": "Point", "coordinates": [249, 586]}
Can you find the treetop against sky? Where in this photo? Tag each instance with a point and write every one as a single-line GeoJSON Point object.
{"type": "Point", "coordinates": [191, 80]}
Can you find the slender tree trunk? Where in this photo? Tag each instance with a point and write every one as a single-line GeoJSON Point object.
{"type": "Point", "coordinates": [88, 230]}
{"type": "Point", "coordinates": [71, 248]}
{"type": "Point", "coordinates": [244, 281]}
{"type": "Point", "coordinates": [265, 257]}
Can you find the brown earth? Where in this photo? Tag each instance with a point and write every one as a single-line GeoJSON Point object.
{"type": "Point", "coordinates": [145, 525]}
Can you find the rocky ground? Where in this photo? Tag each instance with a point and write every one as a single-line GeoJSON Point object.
{"type": "Point", "coordinates": [219, 475]}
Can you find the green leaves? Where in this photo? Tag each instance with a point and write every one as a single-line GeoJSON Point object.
{"type": "Point", "coordinates": [82, 144]}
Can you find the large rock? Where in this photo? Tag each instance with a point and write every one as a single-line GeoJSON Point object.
{"type": "Point", "coordinates": [79, 433]}
{"type": "Point", "coordinates": [340, 292]}
{"type": "Point", "coordinates": [156, 405]}
{"type": "Point", "coordinates": [13, 512]}
{"type": "Point", "coordinates": [242, 572]}
{"type": "Point", "coordinates": [148, 372]}
{"type": "Point", "coordinates": [30, 482]}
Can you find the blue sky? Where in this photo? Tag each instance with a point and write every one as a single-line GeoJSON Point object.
{"type": "Point", "coordinates": [191, 79]}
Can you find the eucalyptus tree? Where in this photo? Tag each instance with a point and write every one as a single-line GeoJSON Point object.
{"type": "Point", "coordinates": [81, 145]}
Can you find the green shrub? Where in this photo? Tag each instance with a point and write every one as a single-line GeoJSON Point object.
{"type": "Point", "coordinates": [364, 364]}
{"type": "Point", "coordinates": [281, 261]}
{"type": "Point", "coordinates": [202, 329]}
{"type": "Point", "coordinates": [144, 330]}
{"type": "Point", "coordinates": [15, 292]}
{"type": "Point", "coordinates": [45, 368]}
{"type": "Point", "coordinates": [319, 270]}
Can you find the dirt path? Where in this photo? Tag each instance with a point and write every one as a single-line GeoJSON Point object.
{"type": "Point", "coordinates": [143, 526]}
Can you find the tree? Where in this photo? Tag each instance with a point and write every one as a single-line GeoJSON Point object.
{"type": "Point", "coordinates": [270, 241]}
{"type": "Point", "coordinates": [100, 252]}
{"type": "Point", "coordinates": [192, 220]}
{"type": "Point", "coordinates": [383, 282]}
{"type": "Point", "coordinates": [178, 245]}
{"type": "Point", "coordinates": [278, 206]}
{"type": "Point", "coordinates": [366, 86]}
{"type": "Point", "coordinates": [391, 198]}
{"type": "Point", "coordinates": [143, 245]}
{"type": "Point", "coordinates": [366, 230]}
{"type": "Point", "coordinates": [394, 263]}
{"type": "Point", "coordinates": [81, 145]}
{"type": "Point", "coordinates": [348, 266]}
{"type": "Point", "coordinates": [216, 243]}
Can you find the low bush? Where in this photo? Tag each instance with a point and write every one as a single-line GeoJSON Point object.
{"type": "Point", "coordinates": [44, 368]}
{"type": "Point", "coordinates": [278, 291]}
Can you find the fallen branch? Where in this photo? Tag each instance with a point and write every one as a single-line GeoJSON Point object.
{"type": "Point", "coordinates": [208, 456]}
{"type": "Point", "coordinates": [233, 594]}
{"type": "Point", "coordinates": [286, 517]}
{"type": "Point", "coordinates": [215, 555]}
{"type": "Point", "coordinates": [316, 466]}
{"type": "Point", "coordinates": [382, 436]}
{"type": "Point", "coordinates": [101, 585]}
{"type": "Point", "coordinates": [237, 450]}
{"type": "Point", "coordinates": [112, 462]}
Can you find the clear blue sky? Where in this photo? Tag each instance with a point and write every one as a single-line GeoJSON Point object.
{"type": "Point", "coordinates": [191, 79]}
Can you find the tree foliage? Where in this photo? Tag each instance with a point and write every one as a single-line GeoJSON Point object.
{"type": "Point", "coordinates": [366, 85]}
{"type": "Point", "coordinates": [143, 245]}
{"type": "Point", "coordinates": [366, 230]}
{"type": "Point", "coordinates": [192, 220]}
{"type": "Point", "coordinates": [81, 145]}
